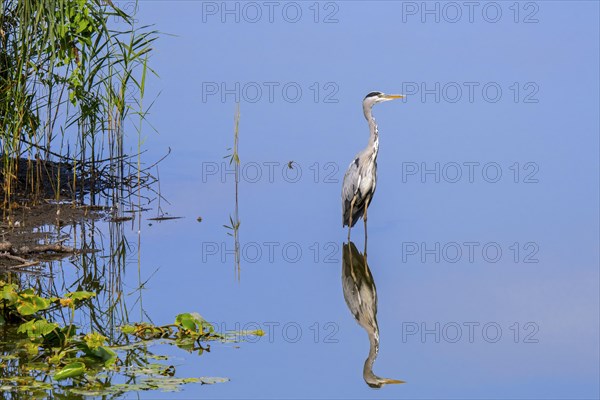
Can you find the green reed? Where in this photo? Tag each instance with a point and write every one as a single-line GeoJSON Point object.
{"type": "Point", "coordinates": [71, 71]}
{"type": "Point", "coordinates": [234, 222]}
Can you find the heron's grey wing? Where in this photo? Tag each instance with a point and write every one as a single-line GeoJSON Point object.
{"type": "Point", "coordinates": [350, 187]}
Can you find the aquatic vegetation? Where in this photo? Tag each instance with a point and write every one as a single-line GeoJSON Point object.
{"type": "Point", "coordinates": [46, 355]}
{"type": "Point", "coordinates": [68, 81]}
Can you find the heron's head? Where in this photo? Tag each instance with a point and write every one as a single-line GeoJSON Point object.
{"type": "Point", "coordinates": [377, 97]}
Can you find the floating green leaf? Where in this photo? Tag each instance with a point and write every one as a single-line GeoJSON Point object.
{"type": "Point", "coordinates": [30, 304]}
{"type": "Point", "coordinates": [187, 321]}
{"type": "Point", "coordinates": [82, 295]}
{"type": "Point", "coordinates": [37, 327]}
{"type": "Point", "coordinates": [71, 370]}
{"type": "Point", "coordinates": [106, 354]}
{"type": "Point", "coordinates": [8, 292]}
{"type": "Point", "coordinates": [193, 322]}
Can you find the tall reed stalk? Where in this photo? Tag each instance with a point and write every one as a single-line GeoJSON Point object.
{"type": "Point", "coordinates": [236, 214]}
{"type": "Point", "coordinates": [234, 222]}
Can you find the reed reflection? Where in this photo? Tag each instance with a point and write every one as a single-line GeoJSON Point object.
{"type": "Point", "coordinates": [360, 294]}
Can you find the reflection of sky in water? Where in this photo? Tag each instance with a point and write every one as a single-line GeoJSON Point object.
{"type": "Point", "coordinates": [371, 49]}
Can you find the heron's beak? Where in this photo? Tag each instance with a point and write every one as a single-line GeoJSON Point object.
{"type": "Point", "coordinates": [387, 381]}
{"type": "Point", "coordinates": [380, 382]}
{"type": "Point", "coordinates": [393, 96]}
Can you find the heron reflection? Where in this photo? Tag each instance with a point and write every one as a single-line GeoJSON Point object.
{"type": "Point", "coordinates": [361, 297]}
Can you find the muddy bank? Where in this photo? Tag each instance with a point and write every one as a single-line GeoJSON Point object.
{"type": "Point", "coordinates": [32, 234]}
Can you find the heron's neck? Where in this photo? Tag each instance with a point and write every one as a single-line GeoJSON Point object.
{"type": "Point", "coordinates": [374, 133]}
{"type": "Point", "coordinates": [368, 374]}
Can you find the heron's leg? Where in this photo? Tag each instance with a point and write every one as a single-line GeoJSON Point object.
{"type": "Point", "coordinates": [350, 219]}
{"type": "Point", "coordinates": [351, 264]}
{"type": "Point", "coordinates": [365, 220]}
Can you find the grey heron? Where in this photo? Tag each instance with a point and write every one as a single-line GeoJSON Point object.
{"type": "Point", "coordinates": [361, 177]}
{"type": "Point", "coordinates": [360, 294]}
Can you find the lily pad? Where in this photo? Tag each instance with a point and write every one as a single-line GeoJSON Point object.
{"type": "Point", "coordinates": [71, 370]}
